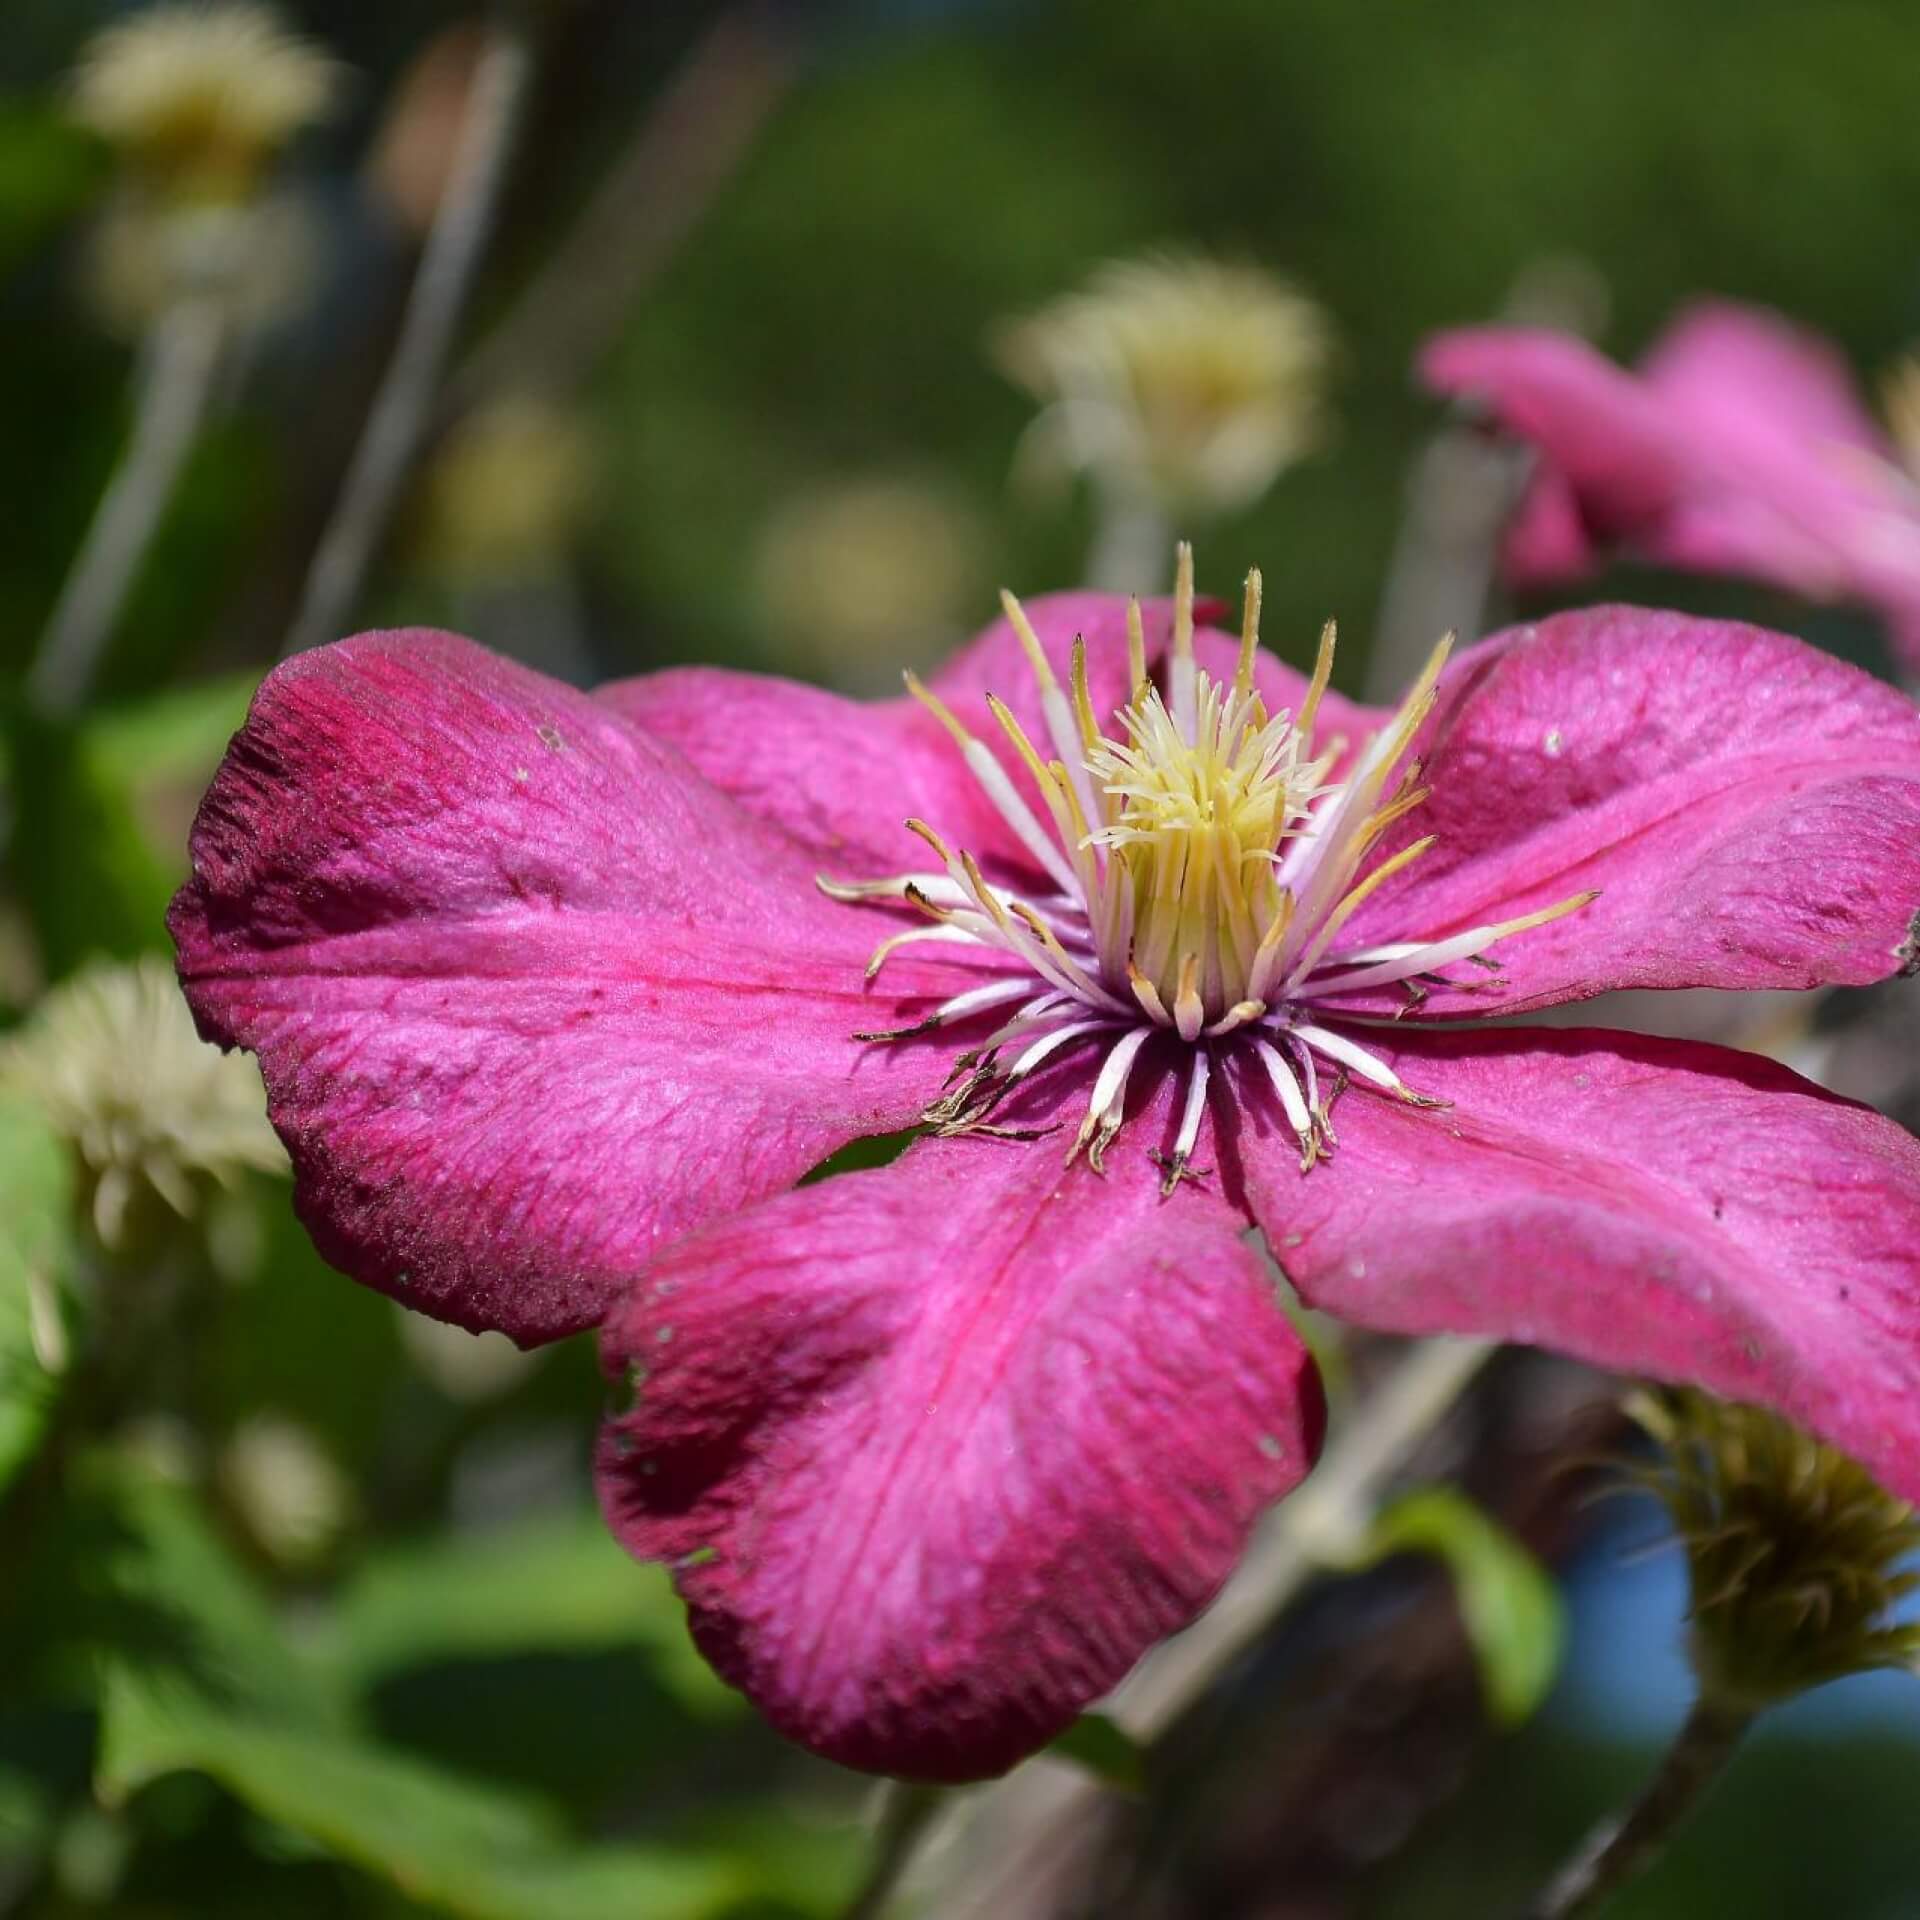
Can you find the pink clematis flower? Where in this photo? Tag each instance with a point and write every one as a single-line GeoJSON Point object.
{"type": "Point", "coordinates": [1740, 446]}
{"type": "Point", "coordinates": [553, 1015]}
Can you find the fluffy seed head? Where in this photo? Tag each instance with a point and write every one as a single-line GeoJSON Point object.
{"type": "Point", "coordinates": [201, 98]}
{"type": "Point", "coordinates": [1794, 1553]}
{"type": "Point", "coordinates": [113, 1059]}
{"type": "Point", "coordinates": [1193, 381]}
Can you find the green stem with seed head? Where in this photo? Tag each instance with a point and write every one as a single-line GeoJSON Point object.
{"type": "Point", "coordinates": [1621, 1849]}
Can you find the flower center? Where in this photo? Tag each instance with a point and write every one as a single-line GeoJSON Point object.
{"type": "Point", "coordinates": [1195, 829]}
{"type": "Point", "coordinates": [1198, 868]}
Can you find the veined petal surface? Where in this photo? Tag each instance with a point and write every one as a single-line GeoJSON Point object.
{"type": "Point", "coordinates": [1656, 1206]}
{"type": "Point", "coordinates": [1748, 808]}
{"type": "Point", "coordinates": [530, 997]}
{"type": "Point", "coordinates": [939, 1450]}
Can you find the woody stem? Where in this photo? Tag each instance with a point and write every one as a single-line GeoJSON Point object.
{"type": "Point", "coordinates": [1620, 1849]}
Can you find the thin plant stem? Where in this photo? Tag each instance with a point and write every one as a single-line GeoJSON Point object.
{"type": "Point", "coordinates": [1621, 1849]}
{"type": "Point", "coordinates": [691, 143]}
{"type": "Point", "coordinates": [1132, 544]}
{"type": "Point", "coordinates": [1031, 1833]}
{"type": "Point", "coordinates": [181, 362]}
{"type": "Point", "coordinates": [496, 106]}
{"type": "Point", "coordinates": [1440, 578]}
{"type": "Point", "coordinates": [1461, 493]}
{"type": "Point", "coordinates": [906, 1812]}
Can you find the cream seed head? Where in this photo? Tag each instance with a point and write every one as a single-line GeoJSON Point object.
{"type": "Point", "coordinates": [1193, 381]}
{"type": "Point", "coordinates": [200, 98]}
{"type": "Point", "coordinates": [150, 1108]}
{"type": "Point", "coordinates": [1798, 1560]}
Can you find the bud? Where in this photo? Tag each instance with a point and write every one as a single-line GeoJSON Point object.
{"type": "Point", "coordinates": [1188, 382]}
{"type": "Point", "coordinates": [152, 1111]}
{"type": "Point", "coordinates": [1794, 1553]}
{"type": "Point", "coordinates": [201, 99]}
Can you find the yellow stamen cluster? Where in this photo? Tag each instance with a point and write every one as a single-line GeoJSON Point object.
{"type": "Point", "coordinates": [1196, 826]}
{"type": "Point", "coordinates": [1191, 871]}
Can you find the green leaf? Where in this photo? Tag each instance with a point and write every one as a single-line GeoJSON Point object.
{"type": "Point", "coordinates": [199, 1675]}
{"type": "Point", "coordinates": [1106, 1750]}
{"type": "Point", "coordinates": [103, 805]}
{"type": "Point", "coordinates": [1508, 1601]}
{"type": "Point", "coordinates": [186, 1624]}
{"type": "Point", "coordinates": [176, 735]}
{"type": "Point", "coordinates": [554, 1584]}
{"type": "Point", "coordinates": [862, 1156]}
{"type": "Point", "coordinates": [36, 1197]}
{"type": "Point", "coordinates": [442, 1841]}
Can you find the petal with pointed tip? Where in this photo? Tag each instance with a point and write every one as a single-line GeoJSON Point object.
{"type": "Point", "coordinates": [1748, 807]}
{"type": "Point", "coordinates": [531, 999]}
{"type": "Point", "coordinates": [1655, 1206]}
{"type": "Point", "coordinates": [939, 1450]}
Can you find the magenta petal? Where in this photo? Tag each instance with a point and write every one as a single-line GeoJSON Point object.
{"type": "Point", "coordinates": [841, 776]}
{"type": "Point", "coordinates": [1742, 447]}
{"type": "Point", "coordinates": [1655, 1206]}
{"type": "Point", "coordinates": [1739, 372]}
{"type": "Point", "coordinates": [530, 998]}
{"type": "Point", "coordinates": [937, 1451]}
{"type": "Point", "coordinates": [844, 776]}
{"type": "Point", "coordinates": [1624, 454]}
{"type": "Point", "coordinates": [1748, 807]}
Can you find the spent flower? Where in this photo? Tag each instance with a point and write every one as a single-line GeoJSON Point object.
{"type": "Point", "coordinates": [113, 1060]}
{"type": "Point", "coordinates": [202, 98]}
{"type": "Point", "coordinates": [1797, 1559]}
{"type": "Point", "coordinates": [1191, 382]}
{"type": "Point", "coordinates": [558, 995]}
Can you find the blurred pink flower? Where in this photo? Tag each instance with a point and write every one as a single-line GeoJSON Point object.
{"type": "Point", "coordinates": [553, 1016]}
{"type": "Point", "coordinates": [1740, 446]}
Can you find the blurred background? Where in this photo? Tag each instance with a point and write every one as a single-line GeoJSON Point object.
{"type": "Point", "coordinates": [754, 352]}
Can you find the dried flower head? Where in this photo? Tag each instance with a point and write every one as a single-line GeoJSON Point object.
{"type": "Point", "coordinates": [1796, 1557]}
{"type": "Point", "coordinates": [113, 1058]}
{"type": "Point", "coordinates": [201, 98]}
{"type": "Point", "coordinates": [862, 576]}
{"type": "Point", "coordinates": [508, 490]}
{"type": "Point", "coordinates": [1193, 382]}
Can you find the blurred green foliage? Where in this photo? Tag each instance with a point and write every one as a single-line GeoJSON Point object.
{"type": "Point", "coordinates": [1507, 1599]}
